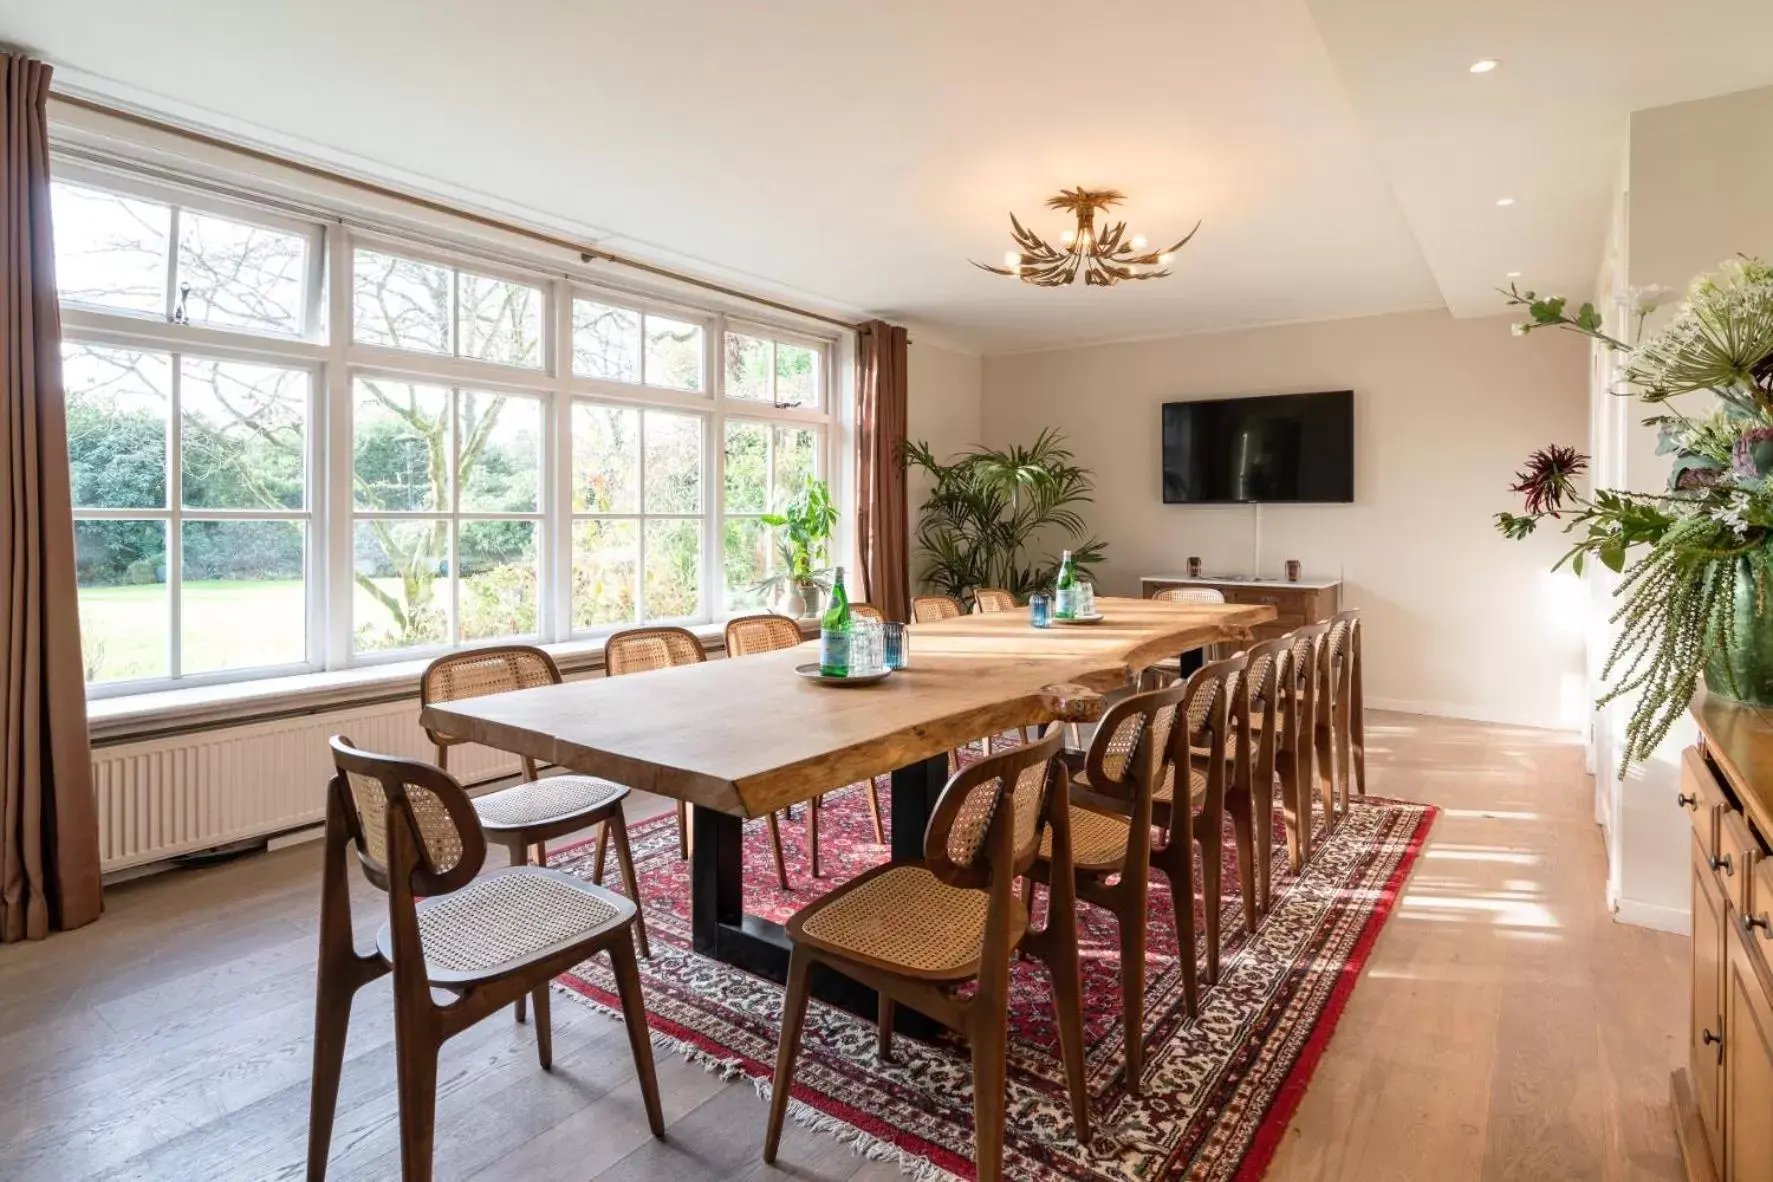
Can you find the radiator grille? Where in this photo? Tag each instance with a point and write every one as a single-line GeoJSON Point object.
{"type": "Point", "coordinates": [163, 797]}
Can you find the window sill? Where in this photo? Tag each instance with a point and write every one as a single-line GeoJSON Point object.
{"type": "Point", "coordinates": [129, 718]}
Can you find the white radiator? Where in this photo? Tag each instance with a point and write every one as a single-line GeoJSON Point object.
{"type": "Point", "coordinates": [162, 797]}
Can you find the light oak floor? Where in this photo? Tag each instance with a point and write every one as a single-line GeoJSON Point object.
{"type": "Point", "coordinates": [1506, 1027]}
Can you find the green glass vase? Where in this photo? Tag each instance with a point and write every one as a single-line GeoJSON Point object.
{"type": "Point", "coordinates": [1744, 671]}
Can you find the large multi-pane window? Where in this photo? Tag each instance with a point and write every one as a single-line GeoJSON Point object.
{"type": "Point", "coordinates": [295, 446]}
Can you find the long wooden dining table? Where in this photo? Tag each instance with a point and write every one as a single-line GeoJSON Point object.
{"type": "Point", "coordinates": [743, 738]}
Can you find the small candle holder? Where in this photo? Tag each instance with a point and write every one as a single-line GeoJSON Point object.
{"type": "Point", "coordinates": [1292, 570]}
{"type": "Point", "coordinates": [1193, 568]}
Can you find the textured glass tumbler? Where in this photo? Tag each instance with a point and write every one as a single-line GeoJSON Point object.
{"type": "Point", "coordinates": [1040, 609]}
{"type": "Point", "coordinates": [897, 645]}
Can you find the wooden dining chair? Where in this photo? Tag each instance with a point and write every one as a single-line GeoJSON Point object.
{"type": "Point", "coordinates": [994, 599]}
{"type": "Point", "coordinates": [926, 609]}
{"type": "Point", "coordinates": [641, 650]}
{"type": "Point", "coordinates": [479, 942]}
{"type": "Point", "coordinates": [1296, 746]}
{"type": "Point", "coordinates": [1255, 720]}
{"type": "Point", "coordinates": [536, 811]}
{"type": "Point", "coordinates": [767, 632]}
{"type": "Point", "coordinates": [1200, 821]}
{"type": "Point", "coordinates": [1197, 595]}
{"type": "Point", "coordinates": [1132, 753]}
{"type": "Point", "coordinates": [1348, 728]}
{"type": "Point", "coordinates": [868, 611]}
{"type": "Point", "coordinates": [917, 933]}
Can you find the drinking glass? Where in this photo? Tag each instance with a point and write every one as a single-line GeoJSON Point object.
{"type": "Point", "coordinates": [1040, 609]}
{"type": "Point", "coordinates": [895, 645]}
{"type": "Point", "coordinates": [1086, 600]}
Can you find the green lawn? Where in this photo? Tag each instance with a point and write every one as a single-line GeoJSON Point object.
{"type": "Point", "coordinates": [227, 625]}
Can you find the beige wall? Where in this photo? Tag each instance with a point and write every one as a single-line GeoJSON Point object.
{"type": "Point", "coordinates": [1459, 620]}
{"type": "Point", "coordinates": [944, 388]}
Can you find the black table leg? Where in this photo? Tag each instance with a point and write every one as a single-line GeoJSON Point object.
{"type": "Point", "coordinates": [916, 787]}
{"type": "Point", "coordinates": [719, 927]}
{"type": "Point", "coordinates": [1191, 660]}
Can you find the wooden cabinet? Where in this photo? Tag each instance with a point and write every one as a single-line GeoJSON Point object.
{"type": "Point", "coordinates": [1723, 1098]}
{"type": "Point", "coordinates": [1294, 604]}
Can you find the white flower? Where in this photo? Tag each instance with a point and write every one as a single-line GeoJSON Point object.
{"type": "Point", "coordinates": [1645, 300]}
{"type": "Point", "coordinates": [1519, 330]}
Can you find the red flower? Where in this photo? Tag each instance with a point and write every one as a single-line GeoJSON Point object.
{"type": "Point", "coordinates": [1549, 477]}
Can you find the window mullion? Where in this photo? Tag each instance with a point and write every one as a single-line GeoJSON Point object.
{"type": "Point", "coordinates": [175, 534]}
{"type": "Point", "coordinates": [558, 561]}
{"type": "Point", "coordinates": [172, 262]}
{"type": "Point", "coordinates": [338, 525]}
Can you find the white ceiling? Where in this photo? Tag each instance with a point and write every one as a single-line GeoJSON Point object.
{"type": "Point", "coordinates": [1342, 160]}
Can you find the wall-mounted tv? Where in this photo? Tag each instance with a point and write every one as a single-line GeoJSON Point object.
{"type": "Point", "coordinates": [1282, 447]}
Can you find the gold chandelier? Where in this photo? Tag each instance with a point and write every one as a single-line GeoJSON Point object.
{"type": "Point", "coordinates": [1105, 257]}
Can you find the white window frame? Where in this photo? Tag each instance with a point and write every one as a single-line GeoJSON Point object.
{"type": "Point", "coordinates": [327, 349]}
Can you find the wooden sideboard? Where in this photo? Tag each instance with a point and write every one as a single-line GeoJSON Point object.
{"type": "Point", "coordinates": [1295, 604]}
{"type": "Point", "coordinates": [1723, 1098]}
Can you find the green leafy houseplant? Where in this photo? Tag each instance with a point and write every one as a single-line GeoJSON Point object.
{"type": "Point", "coordinates": [1695, 558]}
{"type": "Point", "coordinates": [988, 508]}
{"type": "Point", "coordinates": [805, 522]}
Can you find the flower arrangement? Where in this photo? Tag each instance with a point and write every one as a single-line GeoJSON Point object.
{"type": "Point", "coordinates": [1695, 559]}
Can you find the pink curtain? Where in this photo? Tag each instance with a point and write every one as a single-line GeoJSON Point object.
{"type": "Point", "coordinates": [882, 525]}
{"type": "Point", "coordinates": [49, 858]}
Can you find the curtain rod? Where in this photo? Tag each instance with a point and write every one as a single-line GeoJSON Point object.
{"type": "Point", "coordinates": [586, 253]}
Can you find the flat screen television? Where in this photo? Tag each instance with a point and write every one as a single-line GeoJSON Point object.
{"type": "Point", "coordinates": [1281, 447]}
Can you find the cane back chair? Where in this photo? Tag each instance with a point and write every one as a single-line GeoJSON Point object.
{"type": "Point", "coordinates": [1348, 730]}
{"type": "Point", "coordinates": [1296, 749]}
{"type": "Point", "coordinates": [916, 933]}
{"type": "Point", "coordinates": [535, 811]}
{"type": "Point", "coordinates": [1196, 595]}
{"type": "Point", "coordinates": [1134, 750]}
{"type": "Point", "coordinates": [926, 609]}
{"type": "Point", "coordinates": [868, 611]}
{"type": "Point", "coordinates": [994, 599]}
{"type": "Point", "coordinates": [482, 941]}
{"type": "Point", "coordinates": [640, 650]}
{"type": "Point", "coordinates": [769, 632]}
{"type": "Point", "coordinates": [1197, 817]}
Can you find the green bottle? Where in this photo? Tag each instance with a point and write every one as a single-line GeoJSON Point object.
{"type": "Point", "coordinates": [834, 633]}
{"type": "Point", "coordinates": [1065, 590]}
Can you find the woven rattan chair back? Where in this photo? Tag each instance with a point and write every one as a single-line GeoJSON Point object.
{"type": "Point", "coordinates": [867, 611]}
{"type": "Point", "coordinates": [1010, 788]}
{"type": "Point", "coordinates": [1206, 706]}
{"type": "Point", "coordinates": [761, 634]}
{"type": "Point", "coordinates": [1190, 595]}
{"type": "Point", "coordinates": [388, 800]}
{"type": "Point", "coordinates": [926, 609]}
{"type": "Point", "coordinates": [1136, 731]}
{"type": "Point", "coordinates": [641, 650]}
{"type": "Point", "coordinates": [482, 671]}
{"type": "Point", "coordinates": [994, 599]}
{"type": "Point", "coordinates": [1342, 651]}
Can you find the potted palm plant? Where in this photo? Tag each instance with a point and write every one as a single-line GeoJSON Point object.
{"type": "Point", "coordinates": [989, 507]}
{"type": "Point", "coordinates": [805, 524]}
{"type": "Point", "coordinates": [1695, 558]}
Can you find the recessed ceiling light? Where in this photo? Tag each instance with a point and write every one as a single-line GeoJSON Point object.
{"type": "Point", "coordinates": [1505, 201]}
{"type": "Point", "coordinates": [1484, 65]}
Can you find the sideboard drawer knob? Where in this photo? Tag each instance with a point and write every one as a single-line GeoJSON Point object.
{"type": "Point", "coordinates": [1708, 1038]}
{"type": "Point", "coordinates": [1725, 863]}
{"type": "Point", "coordinates": [1751, 922]}
{"type": "Point", "coordinates": [1686, 800]}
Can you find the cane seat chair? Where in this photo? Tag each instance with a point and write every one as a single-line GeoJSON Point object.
{"type": "Point", "coordinates": [1195, 595]}
{"type": "Point", "coordinates": [479, 942]}
{"type": "Point", "coordinates": [536, 811]}
{"type": "Point", "coordinates": [1347, 722]}
{"type": "Point", "coordinates": [917, 933]}
{"type": "Point", "coordinates": [1296, 761]}
{"type": "Point", "coordinates": [1133, 751]}
{"type": "Point", "coordinates": [1204, 722]}
{"type": "Point", "coordinates": [868, 611]}
{"type": "Point", "coordinates": [641, 650]}
{"type": "Point", "coordinates": [927, 609]}
{"type": "Point", "coordinates": [768, 632]}
{"type": "Point", "coordinates": [1256, 720]}
{"type": "Point", "coordinates": [994, 599]}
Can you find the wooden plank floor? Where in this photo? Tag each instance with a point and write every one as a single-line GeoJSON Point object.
{"type": "Point", "coordinates": [1505, 1027]}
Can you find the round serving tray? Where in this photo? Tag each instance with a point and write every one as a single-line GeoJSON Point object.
{"type": "Point", "coordinates": [811, 673]}
{"type": "Point", "coordinates": [1078, 621]}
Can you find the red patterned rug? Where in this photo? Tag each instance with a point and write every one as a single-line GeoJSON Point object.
{"type": "Point", "coordinates": [1219, 1090]}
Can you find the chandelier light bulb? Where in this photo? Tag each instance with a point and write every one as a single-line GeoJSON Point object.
{"type": "Point", "coordinates": [1012, 258]}
{"type": "Point", "coordinates": [1138, 242]}
{"type": "Point", "coordinates": [1068, 237]}
{"type": "Point", "coordinates": [1164, 259]}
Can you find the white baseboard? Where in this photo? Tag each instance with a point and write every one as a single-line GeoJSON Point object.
{"type": "Point", "coordinates": [1654, 915]}
{"type": "Point", "coordinates": [1470, 713]}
